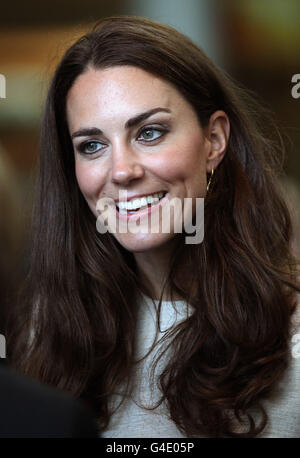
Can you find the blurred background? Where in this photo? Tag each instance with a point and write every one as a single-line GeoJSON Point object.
{"type": "Point", "coordinates": [256, 41]}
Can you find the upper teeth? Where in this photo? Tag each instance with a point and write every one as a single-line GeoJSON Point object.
{"type": "Point", "coordinates": [138, 203]}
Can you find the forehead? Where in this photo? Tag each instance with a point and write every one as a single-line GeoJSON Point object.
{"type": "Point", "coordinates": [114, 88]}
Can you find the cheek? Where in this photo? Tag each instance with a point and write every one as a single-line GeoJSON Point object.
{"type": "Point", "coordinates": [189, 168]}
{"type": "Point", "coordinates": [89, 180]}
{"type": "Point", "coordinates": [185, 161]}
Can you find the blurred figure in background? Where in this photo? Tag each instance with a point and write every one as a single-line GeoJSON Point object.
{"type": "Point", "coordinates": [11, 237]}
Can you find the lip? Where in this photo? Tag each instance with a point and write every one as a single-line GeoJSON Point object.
{"type": "Point", "coordinates": [142, 213]}
{"type": "Point", "coordinates": [138, 196]}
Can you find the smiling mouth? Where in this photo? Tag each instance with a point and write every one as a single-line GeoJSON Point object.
{"type": "Point", "coordinates": [135, 205]}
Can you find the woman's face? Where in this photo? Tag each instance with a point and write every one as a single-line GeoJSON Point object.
{"type": "Point", "coordinates": [134, 132]}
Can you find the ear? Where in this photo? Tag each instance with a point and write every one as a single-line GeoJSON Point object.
{"type": "Point", "coordinates": [217, 135]}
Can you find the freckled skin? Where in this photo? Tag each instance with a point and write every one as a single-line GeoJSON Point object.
{"type": "Point", "coordinates": [177, 162]}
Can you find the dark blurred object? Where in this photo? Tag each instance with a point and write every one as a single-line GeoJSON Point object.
{"type": "Point", "coordinates": [29, 409]}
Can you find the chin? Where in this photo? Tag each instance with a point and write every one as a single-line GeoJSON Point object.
{"type": "Point", "coordinates": [136, 243]}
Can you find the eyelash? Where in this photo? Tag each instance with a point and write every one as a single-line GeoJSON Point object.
{"type": "Point", "coordinates": [163, 131]}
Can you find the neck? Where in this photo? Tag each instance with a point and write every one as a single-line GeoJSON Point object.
{"type": "Point", "coordinates": [153, 266]}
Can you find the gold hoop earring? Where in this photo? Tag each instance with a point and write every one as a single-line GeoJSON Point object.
{"type": "Point", "coordinates": [210, 178]}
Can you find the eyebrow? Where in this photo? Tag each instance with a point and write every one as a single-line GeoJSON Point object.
{"type": "Point", "coordinates": [85, 132]}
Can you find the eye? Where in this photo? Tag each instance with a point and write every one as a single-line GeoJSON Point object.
{"type": "Point", "coordinates": [149, 134]}
{"type": "Point", "coordinates": [90, 147]}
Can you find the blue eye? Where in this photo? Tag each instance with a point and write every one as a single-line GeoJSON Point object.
{"type": "Point", "coordinates": [150, 134]}
{"type": "Point", "coordinates": [90, 147]}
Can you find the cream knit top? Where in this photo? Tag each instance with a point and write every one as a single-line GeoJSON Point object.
{"type": "Point", "coordinates": [133, 421]}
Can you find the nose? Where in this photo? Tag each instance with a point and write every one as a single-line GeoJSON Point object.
{"type": "Point", "coordinates": [126, 166]}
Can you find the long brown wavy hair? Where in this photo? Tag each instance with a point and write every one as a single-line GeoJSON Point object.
{"type": "Point", "coordinates": [75, 328]}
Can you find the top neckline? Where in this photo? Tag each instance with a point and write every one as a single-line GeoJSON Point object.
{"type": "Point", "coordinates": [156, 301]}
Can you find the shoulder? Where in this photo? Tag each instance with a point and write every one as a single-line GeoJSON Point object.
{"type": "Point", "coordinates": [295, 336]}
{"type": "Point", "coordinates": [29, 409]}
{"type": "Point", "coordinates": [283, 406]}
{"type": "Point", "coordinates": [296, 317]}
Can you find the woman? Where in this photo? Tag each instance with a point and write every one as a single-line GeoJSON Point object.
{"type": "Point", "coordinates": [135, 107]}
